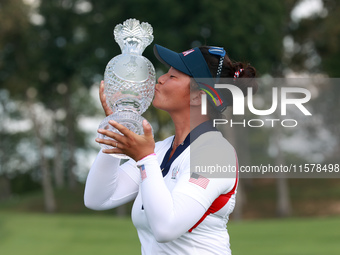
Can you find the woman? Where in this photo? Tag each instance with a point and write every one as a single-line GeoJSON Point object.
{"type": "Point", "coordinates": [176, 210]}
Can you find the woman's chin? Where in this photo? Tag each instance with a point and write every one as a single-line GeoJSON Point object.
{"type": "Point", "coordinates": [157, 105]}
{"type": "Point", "coordinates": [154, 103]}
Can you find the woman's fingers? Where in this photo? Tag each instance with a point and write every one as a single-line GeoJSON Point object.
{"type": "Point", "coordinates": [121, 139]}
{"type": "Point", "coordinates": [112, 151]}
{"type": "Point", "coordinates": [102, 98]}
{"type": "Point", "coordinates": [124, 130]}
{"type": "Point", "coordinates": [101, 93]}
{"type": "Point", "coordinates": [110, 142]}
{"type": "Point", "coordinates": [115, 136]}
{"type": "Point", "coordinates": [147, 128]}
{"type": "Point", "coordinates": [127, 142]}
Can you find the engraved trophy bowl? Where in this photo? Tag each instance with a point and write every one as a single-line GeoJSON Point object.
{"type": "Point", "coordinates": [129, 79]}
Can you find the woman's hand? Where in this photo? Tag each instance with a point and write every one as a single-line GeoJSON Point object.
{"type": "Point", "coordinates": [102, 97]}
{"type": "Point", "coordinates": [130, 144]}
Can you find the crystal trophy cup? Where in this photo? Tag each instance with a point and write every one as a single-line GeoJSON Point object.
{"type": "Point", "coordinates": [129, 79]}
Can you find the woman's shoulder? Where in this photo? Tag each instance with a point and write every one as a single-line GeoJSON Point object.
{"type": "Point", "coordinates": [212, 148]}
{"type": "Point", "coordinates": [212, 141]}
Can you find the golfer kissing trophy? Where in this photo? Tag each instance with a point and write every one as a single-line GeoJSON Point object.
{"type": "Point", "coordinates": [129, 79]}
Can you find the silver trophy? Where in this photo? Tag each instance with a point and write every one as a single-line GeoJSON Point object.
{"type": "Point", "coordinates": [129, 79]}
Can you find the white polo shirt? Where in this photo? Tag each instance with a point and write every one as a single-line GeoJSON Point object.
{"type": "Point", "coordinates": [184, 212]}
{"type": "Point", "coordinates": [217, 195]}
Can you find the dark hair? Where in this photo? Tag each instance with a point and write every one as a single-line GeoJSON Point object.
{"type": "Point", "coordinates": [228, 71]}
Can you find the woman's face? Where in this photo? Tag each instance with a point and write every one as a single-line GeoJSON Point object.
{"type": "Point", "coordinates": [172, 92]}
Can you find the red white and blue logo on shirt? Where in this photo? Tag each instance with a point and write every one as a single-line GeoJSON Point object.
{"type": "Point", "coordinates": [199, 180]}
{"type": "Point", "coordinates": [142, 171]}
{"type": "Point", "coordinates": [174, 172]}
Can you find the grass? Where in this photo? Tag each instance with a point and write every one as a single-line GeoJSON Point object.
{"type": "Point", "coordinates": [309, 197]}
{"type": "Point", "coordinates": [312, 236]}
{"type": "Point", "coordinates": [41, 234]}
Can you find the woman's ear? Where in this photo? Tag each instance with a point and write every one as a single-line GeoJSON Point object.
{"type": "Point", "coordinates": [196, 97]}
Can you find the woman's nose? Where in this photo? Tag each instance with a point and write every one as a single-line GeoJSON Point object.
{"type": "Point", "coordinates": [161, 79]}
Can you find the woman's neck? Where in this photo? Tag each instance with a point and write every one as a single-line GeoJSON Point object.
{"type": "Point", "coordinates": [184, 124]}
{"type": "Point", "coordinates": [182, 129]}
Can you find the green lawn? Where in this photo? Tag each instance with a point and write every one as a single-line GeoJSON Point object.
{"type": "Point", "coordinates": [41, 234]}
{"type": "Point", "coordinates": [303, 236]}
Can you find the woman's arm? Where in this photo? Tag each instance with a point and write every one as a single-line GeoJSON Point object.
{"type": "Point", "coordinates": [171, 214]}
{"type": "Point", "coordinates": [108, 185]}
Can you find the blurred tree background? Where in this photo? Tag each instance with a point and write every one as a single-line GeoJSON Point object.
{"type": "Point", "coordinates": [53, 55]}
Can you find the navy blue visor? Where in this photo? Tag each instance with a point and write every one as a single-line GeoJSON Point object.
{"type": "Point", "coordinates": [192, 63]}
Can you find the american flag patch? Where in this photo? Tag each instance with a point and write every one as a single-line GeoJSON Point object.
{"type": "Point", "coordinates": [199, 180]}
{"type": "Point", "coordinates": [185, 53]}
{"type": "Point", "coordinates": [142, 171]}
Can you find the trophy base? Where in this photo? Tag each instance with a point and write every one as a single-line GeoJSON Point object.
{"type": "Point", "coordinates": [131, 120]}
